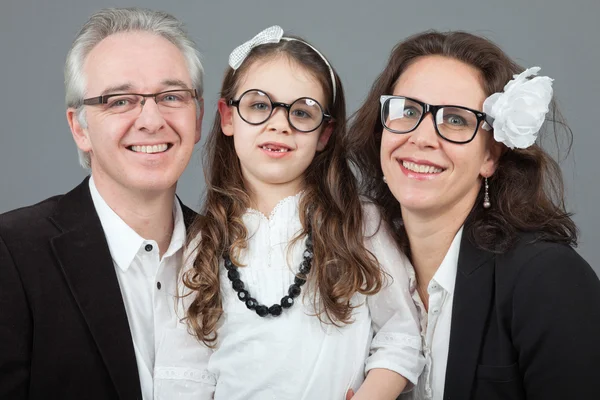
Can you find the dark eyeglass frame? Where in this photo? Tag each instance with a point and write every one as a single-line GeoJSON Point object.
{"type": "Point", "coordinates": [275, 104]}
{"type": "Point", "coordinates": [433, 109]}
{"type": "Point", "coordinates": [92, 101]}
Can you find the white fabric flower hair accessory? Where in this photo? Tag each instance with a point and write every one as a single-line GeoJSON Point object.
{"type": "Point", "coordinates": [517, 114]}
{"type": "Point", "coordinates": [273, 34]}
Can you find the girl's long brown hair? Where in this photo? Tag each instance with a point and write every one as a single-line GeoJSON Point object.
{"type": "Point", "coordinates": [526, 191]}
{"type": "Point", "coordinates": [330, 205]}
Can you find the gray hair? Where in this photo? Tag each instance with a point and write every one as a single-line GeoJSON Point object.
{"type": "Point", "coordinates": [115, 20]}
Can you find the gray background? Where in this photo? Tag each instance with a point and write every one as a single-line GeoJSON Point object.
{"type": "Point", "coordinates": [38, 157]}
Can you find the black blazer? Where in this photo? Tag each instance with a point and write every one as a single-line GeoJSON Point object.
{"type": "Point", "coordinates": [64, 332]}
{"type": "Point", "coordinates": [525, 325]}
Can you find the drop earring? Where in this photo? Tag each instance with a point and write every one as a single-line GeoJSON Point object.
{"type": "Point", "coordinates": [486, 194]}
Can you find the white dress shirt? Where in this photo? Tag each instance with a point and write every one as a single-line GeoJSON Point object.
{"type": "Point", "coordinates": [148, 283]}
{"type": "Point", "coordinates": [435, 324]}
{"type": "Point", "coordinates": [293, 356]}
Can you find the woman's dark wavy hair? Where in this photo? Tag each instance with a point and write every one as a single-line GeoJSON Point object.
{"type": "Point", "coordinates": [527, 189]}
{"type": "Point", "coordinates": [330, 205]}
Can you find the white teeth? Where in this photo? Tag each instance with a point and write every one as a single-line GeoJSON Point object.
{"type": "Point", "coordinates": [423, 169]}
{"type": "Point", "coordinates": [282, 150]}
{"type": "Point", "coordinates": [157, 148]}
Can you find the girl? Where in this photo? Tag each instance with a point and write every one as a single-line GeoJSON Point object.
{"type": "Point", "coordinates": [285, 285]}
{"type": "Point", "coordinates": [508, 309]}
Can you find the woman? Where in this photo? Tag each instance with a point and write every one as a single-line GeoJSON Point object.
{"type": "Point", "coordinates": [446, 147]}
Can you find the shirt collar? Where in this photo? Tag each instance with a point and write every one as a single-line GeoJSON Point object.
{"type": "Point", "coordinates": [178, 238]}
{"type": "Point", "coordinates": [123, 242]}
{"type": "Point", "coordinates": [445, 276]}
{"type": "Point", "coordinates": [282, 210]}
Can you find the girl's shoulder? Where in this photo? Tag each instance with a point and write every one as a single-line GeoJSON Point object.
{"type": "Point", "coordinates": [190, 250]}
{"type": "Point", "coordinates": [372, 220]}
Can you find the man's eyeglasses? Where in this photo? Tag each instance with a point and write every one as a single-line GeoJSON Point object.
{"type": "Point", "coordinates": [256, 107]}
{"type": "Point", "coordinates": [167, 101]}
{"type": "Point", "coordinates": [456, 124]}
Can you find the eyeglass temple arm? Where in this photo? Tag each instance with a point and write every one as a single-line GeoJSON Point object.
{"type": "Point", "coordinates": [488, 123]}
{"type": "Point", "coordinates": [93, 101]}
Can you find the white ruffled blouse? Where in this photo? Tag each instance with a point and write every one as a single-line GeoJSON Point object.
{"type": "Point", "coordinates": [293, 356]}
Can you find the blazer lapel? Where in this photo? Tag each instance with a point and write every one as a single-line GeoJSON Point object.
{"type": "Point", "coordinates": [84, 256]}
{"type": "Point", "coordinates": [473, 296]}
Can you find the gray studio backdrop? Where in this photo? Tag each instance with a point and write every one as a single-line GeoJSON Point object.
{"type": "Point", "coordinates": [38, 157]}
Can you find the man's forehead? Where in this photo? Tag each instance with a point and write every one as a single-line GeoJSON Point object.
{"type": "Point", "coordinates": [135, 60]}
{"type": "Point", "coordinates": [129, 87]}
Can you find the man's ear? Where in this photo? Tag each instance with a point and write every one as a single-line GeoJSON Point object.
{"type": "Point", "coordinates": [325, 135]}
{"type": "Point", "coordinates": [78, 131]}
{"type": "Point", "coordinates": [226, 113]}
{"type": "Point", "coordinates": [200, 114]}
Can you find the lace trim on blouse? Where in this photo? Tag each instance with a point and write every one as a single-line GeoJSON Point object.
{"type": "Point", "coordinates": [194, 375]}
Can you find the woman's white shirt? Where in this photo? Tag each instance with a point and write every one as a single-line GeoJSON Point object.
{"type": "Point", "coordinates": [436, 324]}
{"type": "Point", "coordinates": [294, 356]}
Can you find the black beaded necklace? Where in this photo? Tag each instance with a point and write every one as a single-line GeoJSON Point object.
{"type": "Point", "coordinates": [287, 301]}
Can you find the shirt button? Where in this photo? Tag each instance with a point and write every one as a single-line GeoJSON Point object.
{"type": "Point", "coordinates": [428, 392]}
{"type": "Point", "coordinates": [148, 247]}
{"type": "Point", "coordinates": [158, 285]}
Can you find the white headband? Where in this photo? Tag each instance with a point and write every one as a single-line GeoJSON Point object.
{"type": "Point", "coordinates": [273, 34]}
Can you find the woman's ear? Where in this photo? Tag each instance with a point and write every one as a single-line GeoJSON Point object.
{"type": "Point", "coordinates": [492, 157]}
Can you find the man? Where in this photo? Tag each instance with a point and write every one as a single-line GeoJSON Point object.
{"type": "Point", "coordinates": [87, 279]}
